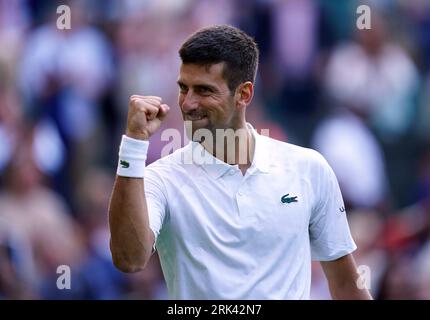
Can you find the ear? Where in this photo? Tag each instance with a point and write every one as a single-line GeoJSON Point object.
{"type": "Point", "coordinates": [244, 94]}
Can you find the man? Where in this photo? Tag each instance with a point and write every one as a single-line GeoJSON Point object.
{"type": "Point", "coordinates": [244, 217]}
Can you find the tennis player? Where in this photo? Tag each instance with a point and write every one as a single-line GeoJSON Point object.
{"type": "Point", "coordinates": [237, 218]}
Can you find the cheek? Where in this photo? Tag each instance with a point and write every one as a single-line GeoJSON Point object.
{"type": "Point", "coordinates": [217, 105]}
{"type": "Point", "coordinates": [180, 100]}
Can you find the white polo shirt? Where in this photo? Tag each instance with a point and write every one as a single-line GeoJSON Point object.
{"type": "Point", "coordinates": [222, 235]}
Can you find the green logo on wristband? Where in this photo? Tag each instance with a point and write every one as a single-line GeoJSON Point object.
{"type": "Point", "coordinates": [124, 164]}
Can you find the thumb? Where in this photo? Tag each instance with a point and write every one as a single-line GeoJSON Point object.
{"type": "Point", "coordinates": [162, 112]}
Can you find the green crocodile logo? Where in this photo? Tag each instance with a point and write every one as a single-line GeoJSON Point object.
{"type": "Point", "coordinates": [124, 164]}
{"type": "Point", "coordinates": [287, 199]}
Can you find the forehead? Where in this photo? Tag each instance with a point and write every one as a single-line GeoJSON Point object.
{"type": "Point", "coordinates": [191, 74]}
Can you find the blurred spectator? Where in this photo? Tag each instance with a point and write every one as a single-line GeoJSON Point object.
{"type": "Point", "coordinates": [63, 75]}
{"type": "Point", "coordinates": [11, 123]}
{"type": "Point", "coordinates": [421, 270]}
{"type": "Point", "coordinates": [415, 16]}
{"type": "Point", "coordinates": [14, 21]}
{"type": "Point", "coordinates": [397, 281]}
{"type": "Point", "coordinates": [37, 213]}
{"type": "Point", "coordinates": [355, 156]}
{"type": "Point", "coordinates": [102, 280]}
{"type": "Point", "coordinates": [149, 66]}
{"type": "Point", "coordinates": [16, 263]}
{"type": "Point", "coordinates": [375, 76]}
{"type": "Point", "coordinates": [423, 118]}
{"type": "Point", "coordinates": [366, 228]}
{"type": "Point", "coordinates": [147, 285]}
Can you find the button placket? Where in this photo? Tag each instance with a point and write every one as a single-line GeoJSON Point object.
{"type": "Point", "coordinates": [243, 205]}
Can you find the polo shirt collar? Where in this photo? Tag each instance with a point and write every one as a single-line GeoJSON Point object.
{"type": "Point", "coordinates": [217, 168]}
{"type": "Point", "coordinates": [261, 160]}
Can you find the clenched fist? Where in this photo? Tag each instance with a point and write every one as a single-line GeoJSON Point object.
{"type": "Point", "coordinates": [145, 114]}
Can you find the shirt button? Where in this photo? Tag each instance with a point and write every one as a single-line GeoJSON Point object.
{"type": "Point", "coordinates": [240, 193]}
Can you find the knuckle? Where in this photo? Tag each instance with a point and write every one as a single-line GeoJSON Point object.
{"type": "Point", "coordinates": [133, 102]}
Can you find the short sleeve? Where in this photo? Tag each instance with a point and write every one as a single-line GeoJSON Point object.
{"type": "Point", "coordinates": [156, 201]}
{"type": "Point", "coordinates": [330, 236]}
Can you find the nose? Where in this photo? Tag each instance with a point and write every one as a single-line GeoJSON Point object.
{"type": "Point", "coordinates": [188, 101]}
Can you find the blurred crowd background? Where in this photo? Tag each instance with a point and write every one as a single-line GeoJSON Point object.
{"type": "Point", "coordinates": [360, 97]}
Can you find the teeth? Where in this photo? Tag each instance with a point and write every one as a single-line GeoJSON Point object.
{"type": "Point", "coordinates": [197, 118]}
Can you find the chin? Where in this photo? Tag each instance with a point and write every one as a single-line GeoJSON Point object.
{"type": "Point", "coordinates": [198, 129]}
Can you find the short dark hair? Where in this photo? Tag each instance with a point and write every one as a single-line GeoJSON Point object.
{"type": "Point", "coordinates": [223, 43]}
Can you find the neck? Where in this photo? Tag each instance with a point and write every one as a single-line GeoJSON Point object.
{"type": "Point", "coordinates": [233, 146]}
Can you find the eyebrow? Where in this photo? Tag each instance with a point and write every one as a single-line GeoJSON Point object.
{"type": "Point", "coordinates": [199, 86]}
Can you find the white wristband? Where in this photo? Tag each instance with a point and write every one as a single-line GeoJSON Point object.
{"type": "Point", "coordinates": [132, 157]}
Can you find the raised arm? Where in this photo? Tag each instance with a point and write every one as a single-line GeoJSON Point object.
{"type": "Point", "coordinates": [131, 238]}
